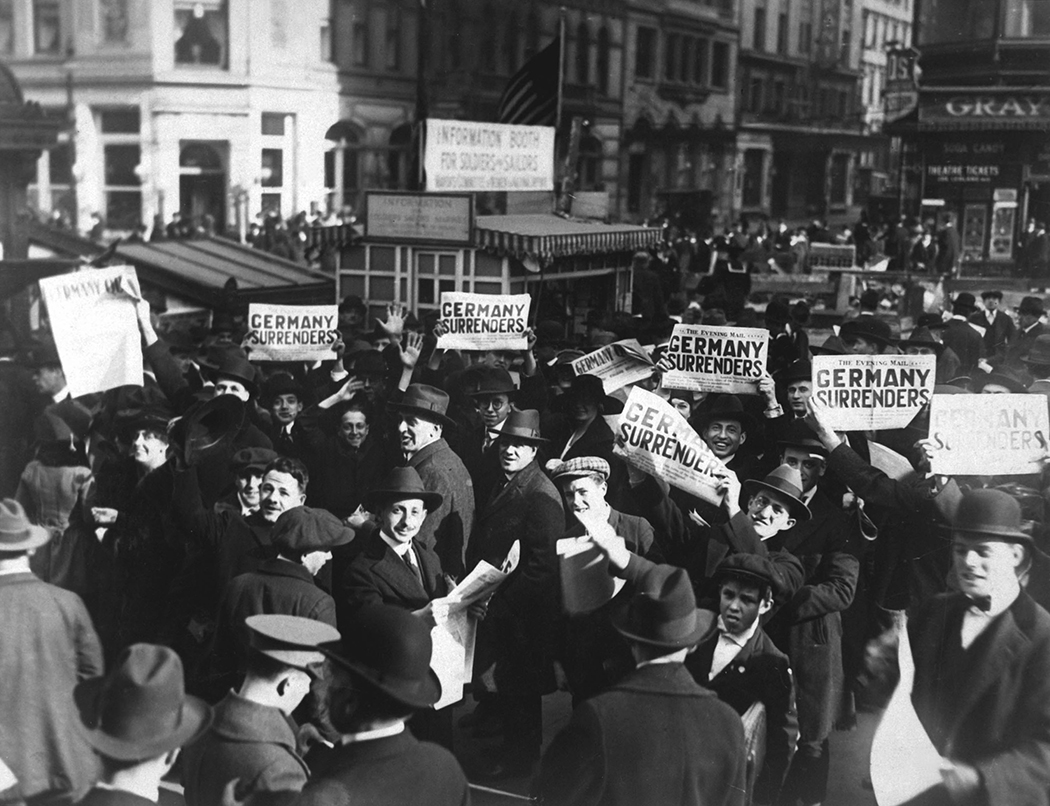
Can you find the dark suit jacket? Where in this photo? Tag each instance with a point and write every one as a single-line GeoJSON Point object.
{"type": "Point", "coordinates": [446, 529]}
{"type": "Point", "coordinates": [965, 343]}
{"type": "Point", "coordinates": [1021, 343]}
{"type": "Point", "coordinates": [759, 673]}
{"type": "Point", "coordinates": [655, 738]}
{"type": "Point", "coordinates": [393, 771]}
{"type": "Point", "coordinates": [988, 705]}
{"type": "Point", "coordinates": [997, 334]}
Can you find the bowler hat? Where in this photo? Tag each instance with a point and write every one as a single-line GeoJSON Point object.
{"type": "Point", "coordinates": [964, 303]}
{"type": "Point", "coordinates": [787, 482]}
{"type": "Point", "coordinates": [17, 533]}
{"type": "Point", "coordinates": [1039, 352]}
{"type": "Point", "coordinates": [44, 354]}
{"type": "Point", "coordinates": [281, 383]}
{"type": "Point", "coordinates": [753, 567]}
{"type": "Point", "coordinates": [800, 370]}
{"type": "Point", "coordinates": [723, 407]}
{"type": "Point", "coordinates": [426, 402]}
{"type": "Point", "coordinates": [140, 710]}
{"type": "Point", "coordinates": [995, 294]}
{"type": "Point", "coordinates": [256, 459]}
{"type": "Point", "coordinates": [306, 529]}
{"type": "Point", "coordinates": [923, 337]}
{"type": "Point", "coordinates": [990, 513]}
{"type": "Point", "coordinates": [402, 483]}
{"type": "Point", "coordinates": [486, 380]}
{"type": "Point", "coordinates": [870, 328]}
{"type": "Point", "coordinates": [389, 649]}
{"type": "Point", "coordinates": [778, 311]}
{"type": "Point", "coordinates": [833, 345]}
{"type": "Point", "coordinates": [590, 387]}
{"type": "Point", "coordinates": [231, 364]}
{"type": "Point", "coordinates": [931, 320]}
{"type": "Point", "coordinates": [1033, 306]}
{"type": "Point", "coordinates": [523, 426]}
{"type": "Point", "coordinates": [800, 435]}
{"type": "Point", "coordinates": [292, 640]}
{"type": "Point", "coordinates": [663, 613]}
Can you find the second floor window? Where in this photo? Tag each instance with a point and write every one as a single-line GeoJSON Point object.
{"type": "Point", "coordinates": [393, 39]}
{"type": "Point", "coordinates": [47, 27]}
{"type": "Point", "coordinates": [583, 54]}
{"type": "Point", "coordinates": [200, 33]}
{"type": "Point", "coordinates": [114, 20]}
{"type": "Point", "coordinates": [644, 52]}
{"type": "Point", "coordinates": [759, 42]}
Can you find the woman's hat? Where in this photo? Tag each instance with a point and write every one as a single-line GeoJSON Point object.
{"type": "Point", "coordinates": [389, 649]}
{"type": "Point", "coordinates": [402, 483]}
{"type": "Point", "coordinates": [590, 387]}
{"type": "Point", "coordinates": [663, 613]}
{"type": "Point", "coordinates": [16, 531]}
{"type": "Point", "coordinates": [723, 407]}
{"type": "Point", "coordinates": [523, 425]}
{"type": "Point", "coordinates": [990, 514]}
{"type": "Point", "coordinates": [306, 529]}
{"type": "Point", "coordinates": [784, 481]}
{"type": "Point", "coordinates": [140, 710]}
{"type": "Point", "coordinates": [426, 402]}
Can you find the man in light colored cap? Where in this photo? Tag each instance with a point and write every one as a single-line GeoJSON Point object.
{"type": "Point", "coordinates": [253, 737]}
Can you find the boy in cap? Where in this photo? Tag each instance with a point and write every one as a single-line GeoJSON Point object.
{"type": "Point", "coordinates": [742, 665]}
{"type": "Point", "coordinates": [136, 719]}
{"type": "Point", "coordinates": [253, 738]}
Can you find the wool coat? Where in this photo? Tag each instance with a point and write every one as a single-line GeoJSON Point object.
{"type": "Point", "coordinates": [656, 737]}
{"type": "Point", "coordinates": [965, 342]}
{"type": "Point", "coordinates": [47, 646]}
{"type": "Point", "coordinates": [997, 334]}
{"type": "Point", "coordinates": [1021, 343]}
{"type": "Point", "coordinates": [448, 528]}
{"type": "Point", "coordinates": [988, 705]}
{"type": "Point", "coordinates": [252, 742]}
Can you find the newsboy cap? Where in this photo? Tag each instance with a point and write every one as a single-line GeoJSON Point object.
{"type": "Point", "coordinates": [306, 529]}
{"type": "Point", "coordinates": [581, 466]}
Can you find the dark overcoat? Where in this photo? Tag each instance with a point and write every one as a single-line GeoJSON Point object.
{"type": "Point", "coordinates": [965, 342]}
{"type": "Point", "coordinates": [446, 529]}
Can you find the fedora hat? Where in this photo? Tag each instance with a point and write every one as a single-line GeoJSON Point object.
{"type": "Point", "coordinates": [208, 427]}
{"type": "Point", "coordinates": [990, 513]}
{"type": "Point", "coordinates": [16, 531]}
{"type": "Point", "coordinates": [1039, 352]}
{"type": "Point", "coordinates": [306, 529]}
{"type": "Point", "coordinates": [1033, 306]}
{"type": "Point", "coordinates": [922, 337]}
{"type": "Point", "coordinates": [1017, 382]}
{"type": "Point", "coordinates": [425, 402]}
{"type": "Point", "coordinates": [524, 426]}
{"type": "Point", "coordinates": [870, 328]}
{"type": "Point", "coordinates": [43, 354]}
{"type": "Point", "coordinates": [799, 370]}
{"type": "Point", "coordinates": [389, 649]}
{"type": "Point", "coordinates": [292, 640]}
{"type": "Point", "coordinates": [663, 613]}
{"type": "Point", "coordinates": [590, 387]}
{"type": "Point", "coordinates": [402, 483]}
{"type": "Point", "coordinates": [140, 710]}
{"type": "Point", "coordinates": [723, 407]}
{"type": "Point", "coordinates": [784, 481]}
{"type": "Point", "coordinates": [485, 380]}
{"type": "Point", "coordinates": [833, 345]}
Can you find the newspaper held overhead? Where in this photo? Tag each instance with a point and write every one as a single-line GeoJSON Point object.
{"type": "Point", "coordinates": [484, 321]}
{"type": "Point", "coordinates": [292, 332]}
{"type": "Point", "coordinates": [987, 435]}
{"type": "Point", "coordinates": [655, 438]}
{"type": "Point", "coordinates": [873, 392]}
{"type": "Point", "coordinates": [714, 358]}
{"type": "Point", "coordinates": [618, 364]}
{"type": "Point", "coordinates": [95, 327]}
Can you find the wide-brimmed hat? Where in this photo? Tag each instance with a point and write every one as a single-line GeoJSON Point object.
{"type": "Point", "coordinates": [1017, 382]}
{"type": "Point", "coordinates": [292, 640]}
{"type": "Point", "coordinates": [389, 649]}
{"type": "Point", "coordinates": [581, 466]}
{"type": "Point", "coordinates": [870, 328]}
{"type": "Point", "coordinates": [784, 481]}
{"type": "Point", "coordinates": [427, 403]}
{"type": "Point", "coordinates": [523, 426]}
{"type": "Point", "coordinates": [990, 513]}
{"type": "Point", "coordinates": [140, 710]}
{"type": "Point", "coordinates": [207, 427]}
{"type": "Point", "coordinates": [752, 567]}
{"type": "Point", "coordinates": [306, 529]}
{"type": "Point", "coordinates": [590, 387]}
{"type": "Point", "coordinates": [663, 613]}
{"type": "Point", "coordinates": [402, 483]}
{"type": "Point", "coordinates": [1033, 306]}
{"type": "Point", "coordinates": [1039, 352]}
{"type": "Point", "coordinates": [17, 533]}
{"type": "Point", "coordinates": [922, 337]}
{"type": "Point", "coordinates": [486, 380]}
{"type": "Point", "coordinates": [723, 407]}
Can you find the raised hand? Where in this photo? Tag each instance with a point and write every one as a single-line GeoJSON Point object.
{"type": "Point", "coordinates": [411, 349]}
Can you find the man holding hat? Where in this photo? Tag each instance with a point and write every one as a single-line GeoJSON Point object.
{"type": "Point", "coordinates": [381, 677]}
{"type": "Point", "coordinates": [47, 644]}
{"type": "Point", "coordinates": [607, 753]}
{"type": "Point", "coordinates": [982, 662]}
{"type": "Point", "coordinates": [423, 412]}
{"type": "Point", "coordinates": [517, 634]}
{"type": "Point", "coordinates": [998, 327]}
{"type": "Point", "coordinates": [253, 738]}
{"type": "Point", "coordinates": [1029, 328]}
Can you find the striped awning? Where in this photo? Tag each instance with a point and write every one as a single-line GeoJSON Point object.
{"type": "Point", "coordinates": [545, 237]}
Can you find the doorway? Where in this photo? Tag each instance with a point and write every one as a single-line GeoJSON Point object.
{"type": "Point", "coordinates": [202, 185]}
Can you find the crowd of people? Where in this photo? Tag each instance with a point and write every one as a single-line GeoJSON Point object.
{"type": "Point", "coordinates": [243, 560]}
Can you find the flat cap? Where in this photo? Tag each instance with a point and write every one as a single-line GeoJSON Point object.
{"type": "Point", "coordinates": [251, 459]}
{"type": "Point", "coordinates": [581, 466]}
{"type": "Point", "coordinates": [306, 529]}
{"type": "Point", "coordinates": [751, 566]}
{"type": "Point", "coordinates": [291, 640]}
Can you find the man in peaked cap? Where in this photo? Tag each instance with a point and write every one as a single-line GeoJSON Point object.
{"type": "Point", "coordinates": [136, 718]}
{"type": "Point", "coordinates": [423, 412]}
{"type": "Point", "coordinates": [606, 754]}
{"type": "Point", "coordinates": [982, 661]}
{"type": "Point", "coordinates": [253, 737]}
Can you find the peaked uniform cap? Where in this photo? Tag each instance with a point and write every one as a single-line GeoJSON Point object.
{"type": "Point", "coordinates": [291, 640]}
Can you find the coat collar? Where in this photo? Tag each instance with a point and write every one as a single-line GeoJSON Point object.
{"type": "Point", "coordinates": [285, 568]}
{"type": "Point", "coordinates": [18, 579]}
{"type": "Point", "coordinates": [521, 479]}
{"type": "Point", "coordinates": [241, 720]}
{"type": "Point", "coordinates": [420, 456]}
{"type": "Point", "coordinates": [663, 678]}
{"type": "Point", "coordinates": [392, 569]}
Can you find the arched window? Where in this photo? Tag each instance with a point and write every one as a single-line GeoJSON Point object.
{"type": "Point", "coordinates": [342, 163]}
{"type": "Point", "coordinates": [583, 54]}
{"type": "Point", "coordinates": [603, 60]}
{"type": "Point", "coordinates": [510, 44]}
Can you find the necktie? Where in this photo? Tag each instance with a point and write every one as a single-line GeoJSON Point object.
{"type": "Point", "coordinates": [412, 566]}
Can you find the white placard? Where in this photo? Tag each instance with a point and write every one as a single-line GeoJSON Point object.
{"type": "Point", "coordinates": [715, 358]}
{"type": "Point", "coordinates": [988, 435]}
{"type": "Point", "coordinates": [618, 364]}
{"type": "Point", "coordinates": [95, 328]}
{"type": "Point", "coordinates": [484, 321]}
{"type": "Point", "coordinates": [292, 332]}
{"type": "Point", "coordinates": [873, 392]}
{"type": "Point", "coordinates": [471, 156]}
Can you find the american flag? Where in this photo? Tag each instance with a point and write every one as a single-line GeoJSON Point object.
{"type": "Point", "coordinates": [531, 96]}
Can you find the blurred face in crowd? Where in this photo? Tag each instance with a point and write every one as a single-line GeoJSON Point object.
{"type": "Point", "coordinates": [493, 409]}
{"type": "Point", "coordinates": [583, 409]}
{"type": "Point", "coordinates": [285, 408]}
{"type": "Point", "coordinates": [1026, 320]}
{"type": "Point", "coordinates": [402, 519]}
{"type": "Point", "coordinates": [858, 345]}
{"type": "Point", "coordinates": [770, 513]}
{"type": "Point", "coordinates": [740, 605]}
{"type": "Point", "coordinates": [183, 360]}
{"type": "Point", "coordinates": [280, 492]}
{"type": "Point", "coordinates": [374, 386]}
{"type": "Point", "coordinates": [229, 386]}
{"type": "Point", "coordinates": [49, 379]}
{"type": "Point", "coordinates": [810, 467]}
{"type": "Point", "coordinates": [149, 448]}
{"type": "Point", "coordinates": [353, 428]}
{"type": "Point", "coordinates": [249, 488]}
{"type": "Point", "coordinates": [498, 358]}
{"type": "Point", "coordinates": [515, 455]}
{"type": "Point", "coordinates": [584, 495]}
{"type": "Point", "coordinates": [724, 437]}
{"type": "Point", "coordinates": [350, 318]}
{"type": "Point", "coordinates": [417, 433]}
{"type": "Point", "coordinates": [798, 392]}
{"type": "Point", "coordinates": [682, 406]}
{"type": "Point", "coordinates": [994, 389]}
{"type": "Point", "coordinates": [919, 349]}
{"type": "Point", "coordinates": [983, 566]}
{"type": "Point", "coordinates": [991, 304]}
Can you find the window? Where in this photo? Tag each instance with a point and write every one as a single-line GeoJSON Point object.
{"type": "Point", "coordinates": [272, 168]}
{"type": "Point", "coordinates": [52, 192]}
{"type": "Point", "coordinates": [398, 157]}
{"type": "Point", "coordinates": [847, 36]}
{"type": "Point", "coordinates": [700, 63]}
{"type": "Point", "coordinates": [122, 186]}
{"type": "Point", "coordinates": [644, 52]}
{"type": "Point", "coordinates": [342, 165]}
{"type": "Point", "coordinates": [685, 61]}
{"type": "Point", "coordinates": [805, 37]}
{"type": "Point", "coordinates": [720, 65]}
{"type": "Point", "coordinates": [779, 97]}
{"type": "Point", "coordinates": [272, 124]}
{"type": "Point", "coordinates": [635, 180]}
{"type": "Point", "coordinates": [7, 26]}
{"type": "Point", "coordinates": [510, 45]}
{"type": "Point", "coordinates": [200, 33]}
{"type": "Point", "coordinates": [359, 40]}
{"type": "Point", "coordinates": [754, 174]}
{"type": "Point", "coordinates": [393, 39]}
{"type": "Point", "coordinates": [759, 42]}
{"type": "Point", "coordinates": [120, 121]}
{"type": "Point", "coordinates": [782, 33]}
{"type": "Point", "coordinates": [754, 94]}
{"type": "Point", "coordinates": [589, 164]}
{"type": "Point", "coordinates": [114, 20]}
{"type": "Point", "coordinates": [326, 51]}
{"type": "Point", "coordinates": [671, 56]}
{"type": "Point", "coordinates": [47, 27]}
{"type": "Point", "coordinates": [839, 179]}
{"type": "Point", "coordinates": [603, 60]}
{"type": "Point", "coordinates": [583, 54]}
{"type": "Point", "coordinates": [1025, 19]}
